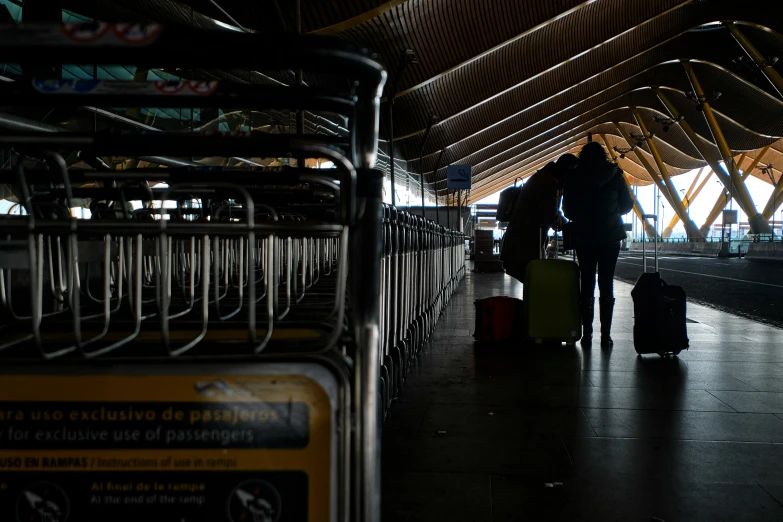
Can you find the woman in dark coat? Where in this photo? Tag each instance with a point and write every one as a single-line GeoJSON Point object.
{"type": "Point", "coordinates": [537, 207]}
{"type": "Point", "coordinates": [595, 198]}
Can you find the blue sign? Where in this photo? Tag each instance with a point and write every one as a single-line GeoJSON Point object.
{"type": "Point", "coordinates": [86, 86]}
{"type": "Point", "coordinates": [459, 177]}
{"type": "Point", "coordinates": [48, 86]}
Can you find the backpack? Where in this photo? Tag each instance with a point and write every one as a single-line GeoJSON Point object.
{"type": "Point", "coordinates": [506, 203]}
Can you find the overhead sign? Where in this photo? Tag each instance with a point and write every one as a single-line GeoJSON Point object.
{"type": "Point", "coordinates": [229, 446]}
{"type": "Point", "coordinates": [730, 217]}
{"type": "Point", "coordinates": [459, 177]}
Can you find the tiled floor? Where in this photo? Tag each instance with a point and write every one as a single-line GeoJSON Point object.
{"type": "Point", "coordinates": [588, 434]}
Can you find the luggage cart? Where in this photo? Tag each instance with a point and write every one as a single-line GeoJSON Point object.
{"type": "Point", "coordinates": [194, 292]}
{"type": "Point", "coordinates": [422, 266]}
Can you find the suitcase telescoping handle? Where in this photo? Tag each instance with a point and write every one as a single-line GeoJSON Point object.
{"type": "Point", "coordinates": [655, 241]}
{"type": "Point", "coordinates": [543, 249]}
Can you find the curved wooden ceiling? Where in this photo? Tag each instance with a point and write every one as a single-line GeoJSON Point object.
{"type": "Point", "coordinates": [517, 82]}
{"type": "Point", "coordinates": [513, 81]}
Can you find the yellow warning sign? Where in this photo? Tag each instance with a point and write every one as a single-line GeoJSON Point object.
{"type": "Point", "coordinates": [242, 448]}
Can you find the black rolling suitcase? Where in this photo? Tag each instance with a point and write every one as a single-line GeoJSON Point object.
{"type": "Point", "coordinates": [659, 312]}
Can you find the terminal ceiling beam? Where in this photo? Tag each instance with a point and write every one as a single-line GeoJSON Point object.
{"type": "Point", "coordinates": [646, 164]}
{"type": "Point", "coordinates": [723, 198]}
{"type": "Point", "coordinates": [358, 19]}
{"type": "Point", "coordinates": [502, 179]}
{"type": "Point", "coordinates": [714, 163]}
{"type": "Point", "coordinates": [759, 59]}
{"type": "Point", "coordinates": [689, 199]}
{"type": "Point", "coordinates": [758, 225]}
{"type": "Point", "coordinates": [667, 187]}
{"type": "Point", "coordinates": [775, 199]}
{"type": "Point", "coordinates": [755, 162]}
{"type": "Point", "coordinates": [637, 207]}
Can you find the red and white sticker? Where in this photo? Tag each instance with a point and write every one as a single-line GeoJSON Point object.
{"type": "Point", "coordinates": [203, 88]}
{"type": "Point", "coordinates": [137, 33]}
{"type": "Point", "coordinates": [85, 32]}
{"type": "Point", "coordinates": [170, 87]}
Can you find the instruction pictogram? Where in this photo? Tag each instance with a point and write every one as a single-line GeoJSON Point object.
{"type": "Point", "coordinates": [137, 33]}
{"type": "Point", "coordinates": [85, 32]}
{"type": "Point", "coordinates": [170, 87]}
{"type": "Point", "coordinates": [203, 87]}
{"type": "Point", "coordinates": [254, 501]}
{"type": "Point", "coordinates": [42, 502]}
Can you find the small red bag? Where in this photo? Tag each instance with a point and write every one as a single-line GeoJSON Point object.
{"type": "Point", "coordinates": [497, 318]}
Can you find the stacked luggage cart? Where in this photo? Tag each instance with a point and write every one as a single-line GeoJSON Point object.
{"type": "Point", "coordinates": [248, 326]}
{"type": "Point", "coordinates": [423, 263]}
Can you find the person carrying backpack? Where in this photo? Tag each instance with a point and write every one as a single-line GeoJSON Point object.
{"type": "Point", "coordinates": [537, 206]}
{"type": "Point", "coordinates": [595, 197]}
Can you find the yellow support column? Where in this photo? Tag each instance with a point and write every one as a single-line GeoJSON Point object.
{"type": "Point", "coordinates": [646, 164]}
{"type": "Point", "coordinates": [685, 201]}
{"type": "Point", "coordinates": [693, 184]}
{"type": "Point", "coordinates": [637, 207]}
{"type": "Point", "coordinates": [688, 203]}
{"type": "Point", "coordinates": [674, 199]}
{"type": "Point", "coordinates": [775, 199]}
{"type": "Point", "coordinates": [758, 224]}
{"type": "Point", "coordinates": [723, 198]}
{"type": "Point", "coordinates": [714, 163]}
{"type": "Point", "coordinates": [771, 74]}
{"type": "Point", "coordinates": [717, 208]}
{"type": "Point", "coordinates": [697, 142]}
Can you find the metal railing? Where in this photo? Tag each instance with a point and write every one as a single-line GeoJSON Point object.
{"type": "Point", "coordinates": [762, 238]}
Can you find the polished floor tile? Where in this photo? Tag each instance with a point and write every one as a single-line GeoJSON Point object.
{"type": "Point", "coordinates": [775, 491]}
{"type": "Point", "coordinates": [494, 422]}
{"type": "Point", "coordinates": [752, 402]}
{"type": "Point", "coordinates": [623, 501]}
{"type": "Point", "coordinates": [763, 383]}
{"type": "Point", "coordinates": [686, 425]}
{"type": "Point", "coordinates": [611, 459]}
{"type": "Point", "coordinates": [405, 417]}
{"type": "Point", "coordinates": [425, 497]}
{"type": "Point", "coordinates": [640, 399]}
{"type": "Point", "coordinates": [677, 380]}
{"type": "Point", "coordinates": [519, 432]}
{"type": "Point", "coordinates": [542, 456]}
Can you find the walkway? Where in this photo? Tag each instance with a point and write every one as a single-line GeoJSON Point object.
{"type": "Point", "coordinates": [593, 435]}
{"type": "Point", "coordinates": [743, 287]}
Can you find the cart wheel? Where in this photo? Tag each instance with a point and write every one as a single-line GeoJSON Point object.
{"type": "Point", "coordinates": [676, 352]}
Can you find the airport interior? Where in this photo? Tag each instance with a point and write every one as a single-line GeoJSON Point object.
{"type": "Point", "coordinates": [391, 260]}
